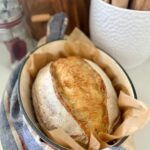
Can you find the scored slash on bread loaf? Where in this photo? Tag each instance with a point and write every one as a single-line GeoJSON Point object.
{"type": "Point", "coordinates": [76, 95]}
{"type": "Point", "coordinates": [82, 92]}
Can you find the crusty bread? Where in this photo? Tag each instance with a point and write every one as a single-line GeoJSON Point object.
{"type": "Point", "coordinates": [49, 111]}
{"type": "Point", "coordinates": [76, 95]}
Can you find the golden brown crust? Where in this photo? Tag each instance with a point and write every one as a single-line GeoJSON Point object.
{"type": "Point", "coordinates": [50, 113]}
{"type": "Point", "coordinates": [82, 91]}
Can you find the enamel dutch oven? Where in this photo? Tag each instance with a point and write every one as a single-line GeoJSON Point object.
{"type": "Point", "coordinates": [56, 28]}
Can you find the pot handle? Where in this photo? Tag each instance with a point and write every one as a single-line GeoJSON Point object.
{"type": "Point", "coordinates": [56, 27]}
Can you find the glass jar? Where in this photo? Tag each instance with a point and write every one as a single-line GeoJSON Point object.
{"type": "Point", "coordinates": [14, 30]}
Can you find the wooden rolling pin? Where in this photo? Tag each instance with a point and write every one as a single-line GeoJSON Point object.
{"type": "Point", "coordinates": [120, 3]}
{"type": "Point", "coordinates": [137, 4]}
{"type": "Point", "coordinates": [41, 18]}
{"type": "Point", "coordinates": [146, 5]}
{"type": "Point", "coordinates": [140, 4]}
{"type": "Point", "coordinates": [131, 4]}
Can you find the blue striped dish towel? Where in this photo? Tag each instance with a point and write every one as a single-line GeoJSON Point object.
{"type": "Point", "coordinates": [15, 133]}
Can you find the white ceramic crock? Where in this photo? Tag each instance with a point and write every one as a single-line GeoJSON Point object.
{"type": "Point", "coordinates": [123, 33]}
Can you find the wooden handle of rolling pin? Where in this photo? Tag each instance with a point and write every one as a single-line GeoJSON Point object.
{"type": "Point", "coordinates": [41, 18]}
{"type": "Point", "coordinates": [141, 4]}
{"type": "Point", "coordinates": [146, 5]}
{"type": "Point", "coordinates": [137, 4]}
{"type": "Point", "coordinates": [120, 3]}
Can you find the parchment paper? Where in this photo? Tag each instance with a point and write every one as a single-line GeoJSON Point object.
{"type": "Point", "coordinates": [135, 114]}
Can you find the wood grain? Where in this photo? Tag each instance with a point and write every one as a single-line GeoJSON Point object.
{"type": "Point", "coordinates": [146, 5]}
{"type": "Point", "coordinates": [77, 11]}
{"type": "Point", "coordinates": [137, 4]}
{"type": "Point", "coordinates": [120, 3]}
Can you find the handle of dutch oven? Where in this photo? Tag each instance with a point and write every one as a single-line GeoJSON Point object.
{"type": "Point", "coordinates": [56, 27]}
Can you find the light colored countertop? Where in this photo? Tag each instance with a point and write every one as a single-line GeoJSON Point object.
{"type": "Point", "coordinates": [140, 77]}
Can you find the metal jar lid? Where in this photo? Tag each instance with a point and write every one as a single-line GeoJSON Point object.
{"type": "Point", "coordinates": [10, 10]}
{"type": "Point", "coordinates": [6, 29]}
